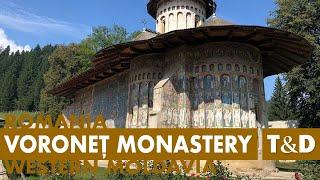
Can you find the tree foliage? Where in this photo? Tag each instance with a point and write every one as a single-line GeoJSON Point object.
{"type": "Point", "coordinates": [26, 77]}
{"type": "Point", "coordinates": [68, 61]}
{"type": "Point", "coordinates": [103, 36]}
{"type": "Point", "coordinates": [279, 104]}
{"type": "Point", "coordinates": [21, 77]}
{"type": "Point", "coordinates": [302, 17]}
{"type": "Point", "coordinates": [64, 62]}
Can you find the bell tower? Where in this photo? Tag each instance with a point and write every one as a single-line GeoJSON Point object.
{"type": "Point", "coordinates": [173, 15]}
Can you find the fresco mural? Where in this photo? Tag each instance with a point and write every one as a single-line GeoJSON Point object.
{"type": "Point", "coordinates": [209, 89]}
{"type": "Point", "coordinates": [196, 91]}
{"type": "Point", "coordinates": [108, 98]}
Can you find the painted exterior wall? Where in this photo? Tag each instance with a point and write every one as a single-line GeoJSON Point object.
{"type": "Point", "coordinates": [179, 14]}
{"type": "Point", "coordinates": [214, 85]}
{"type": "Point", "coordinates": [209, 86]}
{"type": "Point", "coordinates": [145, 73]}
{"type": "Point", "coordinates": [108, 97]}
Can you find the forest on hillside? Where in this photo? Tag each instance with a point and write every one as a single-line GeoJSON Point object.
{"type": "Point", "coordinates": [21, 77]}
{"type": "Point", "coordinates": [25, 77]}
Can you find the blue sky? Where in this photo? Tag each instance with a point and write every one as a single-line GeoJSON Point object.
{"type": "Point", "coordinates": [26, 23]}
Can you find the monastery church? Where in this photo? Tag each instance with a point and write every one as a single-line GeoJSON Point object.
{"type": "Point", "coordinates": [195, 71]}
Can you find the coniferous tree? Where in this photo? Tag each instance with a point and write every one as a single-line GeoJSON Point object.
{"type": "Point", "coordinates": [30, 82]}
{"type": "Point", "coordinates": [21, 77]}
{"type": "Point", "coordinates": [279, 105]}
{"type": "Point", "coordinates": [9, 77]}
{"type": "Point", "coordinates": [27, 76]}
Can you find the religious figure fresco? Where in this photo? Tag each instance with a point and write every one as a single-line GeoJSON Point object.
{"type": "Point", "coordinates": [225, 82]}
{"type": "Point", "coordinates": [209, 88]}
{"type": "Point", "coordinates": [236, 109]}
{"type": "Point", "coordinates": [235, 83]}
{"type": "Point", "coordinates": [253, 119]}
{"type": "Point", "coordinates": [243, 84]}
{"type": "Point", "coordinates": [218, 116]}
{"type": "Point", "coordinates": [244, 109]}
{"type": "Point", "coordinates": [199, 105]}
{"type": "Point", "coordinates": [209, 100]}
{"type": "Point", "coordinates": [237, 117]}
{"type": "Point", "coordinates": [182, 122]}
{"type": "Point", "coordinates": [150, 94]}
{"type": "Point", "coordinates": [135, 104]}
{"type": "Point", "coordinates": [226, 99]}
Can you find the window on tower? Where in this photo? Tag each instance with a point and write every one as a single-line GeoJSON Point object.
{"type": "Point", "coordinates": [197, 21]}
{"type": "Point", "coordinates": [163, 25]}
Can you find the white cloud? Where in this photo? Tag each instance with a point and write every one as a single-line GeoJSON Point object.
{"type": "Point", "coordinates": [5, 41]}
{"type": "Point", "coordinates": [15, 17]}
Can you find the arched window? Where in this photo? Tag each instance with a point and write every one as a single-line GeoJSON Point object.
{"type": "Point", "coordinates": [204, 68]}
{"type": "Point", "coordinates": [237, 67]}
{"type": "Point", "coordinates": [179, 20]}
{"type": "Point", "coordinates": [163, 25]}
{"type": "Point", "coordinates": [197, 21]}
{"type": "Point", "coordinates": [211, 67]}
{"type": "Point", "coordinates": [229, 67]}
{"type": "Point", "coordinates": [171, 22]}
{"type": "Point", "coordinates": [188, 20]}
{"type": "Point", "coordinates": [220, 67]}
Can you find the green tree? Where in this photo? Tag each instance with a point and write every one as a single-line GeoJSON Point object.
{"type": "Point", "coordinates": [68, 61]}
{"type": "Point", "coordinates": [33, 65]}
{"type": "Point", "coordinates": [9, 74]}
{"type": "Point", "coordinates": [103, 36]}
{"type": "Point", "coordinates": [65, 62]}
{"type": "Point", "coordinates": [279, 105]}
{"type": "Point", "coordinates": [302, 17]}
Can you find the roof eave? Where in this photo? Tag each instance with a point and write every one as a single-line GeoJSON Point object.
{"type": "Point", "coordinates": [281, 51]}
